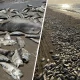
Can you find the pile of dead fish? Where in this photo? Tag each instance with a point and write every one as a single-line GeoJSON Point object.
{"type": "Point", "coordinates": [33, 14]}
{"type": "Point", "coordinates": [12, 60]}
{"type": "Point", "coordinates": [26, 22]}
{"type": "Point", "coordinates": [66, 61]}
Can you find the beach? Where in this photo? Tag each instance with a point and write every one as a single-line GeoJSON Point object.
{"type": "Point", "coordinates": [55, 20]}
{"type": "Point", "coordinates": [30, 45]}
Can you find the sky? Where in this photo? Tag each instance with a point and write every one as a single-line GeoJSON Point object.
{"type": "Point", "coordinates": [63, 1]}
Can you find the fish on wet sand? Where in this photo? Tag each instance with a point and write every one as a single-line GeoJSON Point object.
{"type": "Point", "coordinates": [17, 33]}
{"type": "Point", "coordinates": [16, 59]}
{"type": "Point", "coordinates": [35, 40]}
{"type": "Point", "coordinates": [21, 25]}
{"type": "Point", "coordinates": [4, 58]}
{"type": "Point", "coordinates": [21, 42]}
{"type": "Point", "coordinates": [7, 36]}
{"type": "Point", "coordinates": [32, 36]}
{"type": "Point", "coordinates": [24, 54]}
{"type": "Point", "coordinates": [4, 51]}
{"type": "Point", "coordinates": [9, 42]}
{"type": "Point", "coordinates": [12, 70]}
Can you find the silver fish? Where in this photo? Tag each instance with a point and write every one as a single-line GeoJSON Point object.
{"type": "Point", "coordinates": [12, 70]}
{"type": "Point", "coordinates": [32, 36]}
{"type": "Point", "coordinates": [35, 40]}
{"type": "Point", "coordinates": [4, 51]}
{"type": "Point", "coordinates": [25, 54]}
{"type": "Point", "coordinates": [7, 36]}
{"type": "Point", "coordinates": [4, 58]}
{"type": "Point", "coordinates": [22, 25]}
{"type": "Point", "coordinates": [21, 42]}
{"type": "Point", "coordinates": [16, 59]}
{"type": "Point", "coordinates": [17, 33]}
{"type": "Point", "coordinates": [9, 42]}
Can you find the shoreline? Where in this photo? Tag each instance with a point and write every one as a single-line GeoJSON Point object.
{"type": "Point", "coordinates": [68, 13]}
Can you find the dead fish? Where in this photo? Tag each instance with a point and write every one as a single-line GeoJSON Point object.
{"type": "Point", "coordinates": [16, 15]}
{"type": "Point", "coordinates": [2, 33]}
{"type": "Point", "coordinates": [16, 59]}
{"type": "Point", "coordinates": [24, 54]}
{"type": "Point", "coordinates": [4, 51]}
{"type": "Point", "coordinates": [3, 17]}
{"type": "Point", "coordinates": [21, 42]}
{"type": "Point", "coordinates": [4, 58]}
{"type": "Point", "coordinates": [12, 70]}
{"type": "Point", "coordinates": [7, 36]}
{"type": "Point", "coordinates": [35, 40]}
{"type": "Point", "coordinates": [21, 25]}
{"type": "Point", "coordinates": [32, 36]}
{"type": "Point", "coordinates": [9, 42]}
{"type": "Point", "coordinates": [1, 39]}
{"type": "Point", "coordinates": [3, 11]}
{"type": "Point", "coordinates": [17, 33]}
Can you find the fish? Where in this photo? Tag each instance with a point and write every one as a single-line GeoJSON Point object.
{"type": "Point", "coordinates": [7, 36]}
{"type": "Point", "coordinates": [2, 33]}
{"type": "Point", "coordinates": [35, 40]}
{"type": "Point", "coordinates": [9, 42]}
{"type": "Point", "coordinates": [4, 58]}
{"type": "Point", "coordinates": [4, 51]}
{"type": "Point", "coordinates": [13, 71]}
{"type": "Point", "coordinates": [3, 17]}
{"type": "Point", "coordinates": [21, 25]}
{"type": "Point", "coordinates": [24, 54]}
{"type": "Point", "coordinates": [16, 59]}
{"type": "Point", "coordinates": [17, 33]}
{"type": "Point", "coordinates": [32, 36]}
{"type": "Point", "coordinates": [1, 40]}
{"type": "Point", "coordinates": [21, 42]}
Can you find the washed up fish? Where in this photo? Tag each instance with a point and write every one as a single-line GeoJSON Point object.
{"type": "Point", "coordinates": [4, 58]}
{"type": "Point", "coordinates": [1, 39]}
{"type": "Point", "coordinates": [9, 42]}
{"type": "Point", "coordinates": [3, 11]}
{"type": "Point", "coordinates": [16, 16]}
{"type": "Point", "coordinates": [4, 51]}
{"type": "Point", "coordinates": [7, 36]}
{"type": "Point", "coordinates": [35, 40]}
{"type": "Point", "coordinates": [17, 33]}
{"type": "Point", "coordinates": [21, 42]}
{"type": "Point", "coordinates": [3, 17]}
{"type": "Point", "coordinates": [24, 54]}
{"type": "Point", "coordinates": [32, 36]}
{"type": "Point", "coordinates": [21, 25]}
{"type": "Point", "coordinates": [2, 33]}
{"type": "Point", "coordinates": [29, 5]}
{"type": "Point", "coordinates": [12, 70]}
{"type": "Point", "coordinates": [16, 59]}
